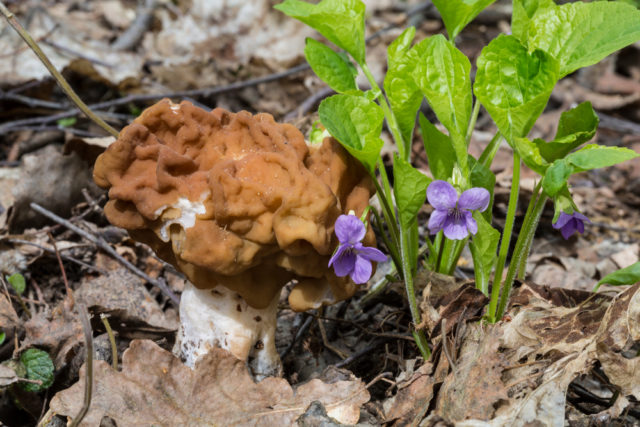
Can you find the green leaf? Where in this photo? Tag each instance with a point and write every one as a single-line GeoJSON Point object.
{"type": "Point", "coordinates": [483, 248]}
{"type": "Point", "coordinates": [17, 282]}
{"type": "Point", "coordinates": [556, 177]}
{"type": "Point", "coordinates": [409, 189]}
{"type": "Point", "coordinates": [340, 21]}
{"type": "Point", "coordinates": [68, 122]}
{"type": "Point", "coordinates": [514, 85]}
{"type": "Point", "coordinates": [318, 133]}
{"type": "Point", "coordinates": [356, 123]}
{"type": "Point", "coordinates": [594, 156]}
{"type": "Point", "coordinates": [400, 46]}
{"type": "Point", "coordinates": [347, 60]}
{"type": "Point", "coordinates": [576, 127]}
{"type": "Point", "coordinates": [481, 176]}
{"type": "Point", "coordinates": [530, 154]}
{"type": "Point", "coordinates": [39, 367]}
{"type": "Point", "coordinates": [329, 66]}
{"type": "Point", "coordinates": [625, 276]}
{"type": "Point", "coordinates": [523, 12]}
{"type": "Point", "coordinates": [563, 202]}
{"type": "Point", "coordinates": [443, 76]}
{"type": "Point", "coordinates": [456, 14]}
{"type": "Point", "coordinates": [581, 34]}
{"type": "Point", "coordinates": [3, 335]}
{"type": "Point", "coordinates": [440, 152]}
{"type": "Point", "coordinates": [402, 91]}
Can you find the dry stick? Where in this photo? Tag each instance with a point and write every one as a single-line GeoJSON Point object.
{"type": "Point", "coordinates": [88, 366]}
{"type": "Point", "coordinates": [64, 274]}
{"type": "Point", "coordinates": [77, 54]}
{"type": "Point", "coordinates": [338, 352]}
{"type": "Point", "coordinates": [114, 349]}
{"type": "Point", "coordinates": [65, 257]}
{"type": "Point", "coordinates": [301, 331]}
{"type": "Point", "coordinates": [362, 352]}
{"type": "Point", "coordinates": [59, 79]}
{"type": "Point", "coordinates": [105, 246]}
{"type": "Point", "coordinates": [25, 380]}
{"type": "Point", "coordinates": [445, 347]}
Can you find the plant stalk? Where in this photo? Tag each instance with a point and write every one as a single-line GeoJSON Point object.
{"type": "Point", "coordinates": [472, 121]}
{"type": "Point", "coordinates": [489, 153]}
{"type": "Point", "coordinates": [506, 238]}
{"type": "Point", "coordinates": [404, 148]}
{"type": "Point", "coordinates": [112, 338]}
{"type": "Point", "coordinates": [393, 251]}
{"type": "Point", "coordinates": [522, 268]}
{"type": "Point", "coordinates": [56, 75]}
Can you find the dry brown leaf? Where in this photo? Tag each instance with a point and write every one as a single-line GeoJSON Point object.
{"type": "Point", "coordinates": [7, 376]}
{"type": "Point", "coordinates": [625, 373]}
{"type": "Point", "coordinates": [634, 317]}
{"type": "Point", "coordinates": [473, 388]}
{"type": "Point", "coordinates": [155, 388]}
{"type": "Point", "coordinates": [8, 317]}
{"type": "Point", "coordinates": [456, 307]}
{"type": "Point", "coordinates": [56, 332]}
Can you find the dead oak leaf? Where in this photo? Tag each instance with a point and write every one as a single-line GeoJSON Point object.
{"type": "Point", "coordinates": [475, 385]}
{"type": "Point", "coordinates": [622, 372]}
{"type": "Point", "coordinates": [154, 388]}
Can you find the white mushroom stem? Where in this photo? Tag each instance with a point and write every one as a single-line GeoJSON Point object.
{"type": "Point", "coordinates": [220, 318]}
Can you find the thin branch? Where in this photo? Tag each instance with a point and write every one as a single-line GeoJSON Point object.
{"type": "Point", "coordinates": [65, 257]}
{"type": "Point", "coordinates": [59, 79]}
{"type": "Point", "coordinates": [64, 274]}
{"type": "Point", "coordinates": [362, 353]}
{"type": "Point", "coordinates": [77, 54]}
{"type": "Point", "coordinates": [299, 334]}
{"type": "Point", "coordinates": [105, 246]}
{"type": "Point", "coordinates": [88, 366]}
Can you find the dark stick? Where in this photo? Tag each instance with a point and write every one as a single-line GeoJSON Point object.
{"type": "Point", "coordinates": [299, 334]}
{"type": "Point", "coordinates": [309, 103]}
{"type": "Point", "coordinates": [362, 352]}
{"type": "Point", "coordinates": [88, 366]}
{"type": "Point", "coordinates": [64, 274]}
{"type": "Point", "coordinates": [105, 246]}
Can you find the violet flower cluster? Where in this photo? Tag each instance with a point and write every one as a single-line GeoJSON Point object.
{"type": "Point", "coordinates": [352, 257]}
{"type": "Point", "coordinates": [454, 215]}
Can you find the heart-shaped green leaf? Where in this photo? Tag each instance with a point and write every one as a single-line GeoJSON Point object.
{"type": "Point", "coordinates": [581, 34]}
{"type": "Point", "coordinates": [39, 367]}
{"type": "Point", "coordinates": [625, 276]}
{"type": "Point", "coordinates": [409, 189]}
{"type": "Point", "coordinates": [556, 177]}
{"type": "Point", "coordinates": [340, 21]}
{"type": "Point", "coordinates": [17, 282]}
{"type": "Point", "coordinates": [356, 123]}
{"type": "Point", "coordinates": [400, 46]}
{"type": "Point", "coordinates": [530, 155]}
{"type": "Point", "coordinates": [329, 66]}
{"type": "Point", "coordinates": [456, 14]}
{"type": "Point", "coordinates": [594, 156]}
{"type": "Point", "coordinates": [576, 127]}
{"type": "Point", "coordinates": [514, 85]}
{"type": "Point", "coordinates": [523, 12]}
{"type": "Point", "coordinates": [481, 176]}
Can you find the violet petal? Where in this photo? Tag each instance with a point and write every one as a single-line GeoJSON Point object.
{"type": "Point", "coordinates": [362, 270]}
{"type": "Point", "coordinates": [371, 254]}
{"type": "Point", "coordinates": [344, 264]}
{"type": "Point", "coordinates": [339, 252]}
{"type": "Point", "coordinates": [474, 199]}
{"type": "Point", "coordinates": [437, 219]}
{"type": "Point", "coordinates": [472, 225]}
{"type": "Point", "coordinates": [578, 215]}
{"type": "Point", "coordinates": [562, 220]}
{"type": "Point", "coordinates": [579, 225]}
{"type": "Point", "coordinates": [455, 227]}
{"type": "Point", "coordinates": [349, 229]}
{"type": "Point", "coordinates": [568, 229]}
{"type": "Point", "coordinates": [442, 195]}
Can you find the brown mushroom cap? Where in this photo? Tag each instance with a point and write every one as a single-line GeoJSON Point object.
{"type": "Point", "coordinates": [270, 201]}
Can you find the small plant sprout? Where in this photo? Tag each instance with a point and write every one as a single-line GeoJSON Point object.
{"type": "Point", "coordinates": [454, 215]}
{"type": "Point", "coordinates": [352, 257]}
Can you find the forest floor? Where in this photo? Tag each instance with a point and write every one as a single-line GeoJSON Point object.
{"type": "Point", "coordinates": [556, 358]}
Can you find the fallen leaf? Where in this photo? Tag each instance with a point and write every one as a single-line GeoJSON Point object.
{"type": "Point", "coordinates": [8, 317]}
{"type": "Point", "coordinates": [155, 388]}
{"type": "Point", "coordinates": [457, 306]}
{"type": "Point", "coordinates": [621, 371]}
{"type": "Point", "coordinates": [7, 376]}
{"type": "Point", "coordinates": [472, 389]}
{"type": "Point", "coordinates": [316, 416]}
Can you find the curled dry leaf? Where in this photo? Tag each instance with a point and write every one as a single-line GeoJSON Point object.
{"type": "Point", "coordinates": [155, 388]}
{"type": "Point", "coordinates": [7, 376]}
{"type": "Point", "coordinates": [458, 306]}
{"type": "Point", "coordinates": [8, 317]}
{"type": "Point", "coordinates": [473, 388]}
{"type": "Point", "coordinates": [625, 373]}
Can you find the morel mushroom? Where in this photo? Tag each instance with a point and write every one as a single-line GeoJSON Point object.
{"type": "Point", "coordinates": [242, 206]}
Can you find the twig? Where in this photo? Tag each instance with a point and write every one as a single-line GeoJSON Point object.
{"type": "Point", "coordinates": [114, 349]}
{"type": "Point", "coordinates": [32, 102]}
{"type": "Point", "coordinates": [339, 352]}
{"type": "Point", "coordinates": [445, 347]}
{"type": "Point", "coordinates": [370, 332]}
{"type": "Point", "coordinates": [73, 131]}
{"type": "Point", "coordinates": [362, 352]}
{"type": "Point", "coordinates": [88, 366]}
{"type": "Point", "coordinates": [525, 364]}
{"type": "Point", "coordinates": [65, 257]}
{"type": "Point", "coordinates": [105, 246]}
{"type": "Point", "coordinates": [132, 35]}
{"type": "Point", "coordinates": [25, 380]}
{"type": "Point", "coordinates": [299, 334]}
{"type": "Point", "coordinates": [78, 54]}
{"type": "Point", "coordinates": [382, 376]}
{"type": "Point", "coordinates": [524, 379]}
{"type": "Point", "coordinates": [64, 274]}
{"type": "Point", "coordinates": [309, 103]}
{"type": "Point", "coordinates": [59, 79]}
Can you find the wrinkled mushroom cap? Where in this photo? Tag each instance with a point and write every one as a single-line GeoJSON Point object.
{"type": "Point", "coordinates": [235, 199]}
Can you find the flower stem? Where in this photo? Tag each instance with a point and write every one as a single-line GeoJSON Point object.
{"type": "Point", "coordinates": [522, 268]}
{"type": "Point", "coordinates": [487, 156]}
{"type": "Point", "coordinates": [388, 213]}
{"type": "Point", "coordinates": [472, 121]}
{"type": "Point", "coordinates": [112, 338]}
{"type": "Point", "coordinates": [520, 252]}
{"type": "Point", "coordinates": [404, 147]}
{"type": "Point", "coordinates": [418, 335]}
{"type": "Point", "coordinates": [56, 75]}
{"type": "Point", "coordinates": [385, 184]}
{"type": "Point", "coordinates": [506, 238]}
{"type": "Point", "coordinates": [393, 250]}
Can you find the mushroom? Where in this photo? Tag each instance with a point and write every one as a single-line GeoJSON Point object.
{"type": "Point", "coordinates": [242, 206]}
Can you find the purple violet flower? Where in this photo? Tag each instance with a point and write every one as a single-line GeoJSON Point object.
{"type": "Point", "coordinates": [453, 214]}
{"type": "Point", "coordinates": [568, 224]}
{"type": "Point", "coordinates": [352, 257]}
